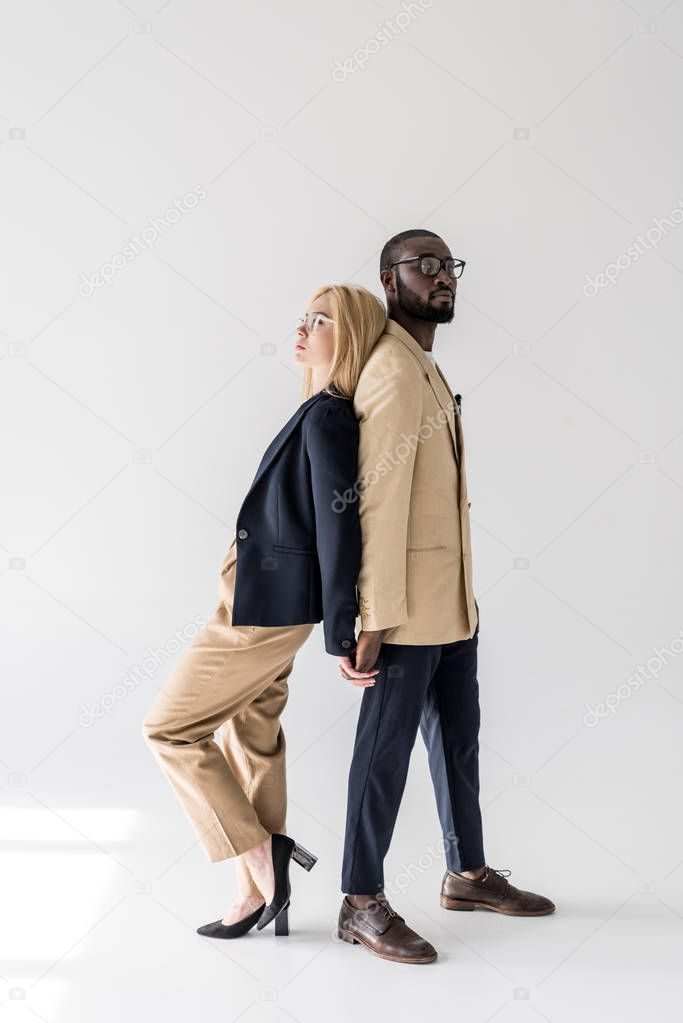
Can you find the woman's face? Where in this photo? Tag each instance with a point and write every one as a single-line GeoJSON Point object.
{"type": "Point", "coordinates": [315, 338]}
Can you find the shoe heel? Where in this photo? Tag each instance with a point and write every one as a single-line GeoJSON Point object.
{"type": "Point", "coordinates": [303, 857]}
{"type": "Point", "coordinates": [461, 904]}
{"type": "Point", "coordinates": [345, 936]}
{"type": "Point", "coordinates": [282, 923]}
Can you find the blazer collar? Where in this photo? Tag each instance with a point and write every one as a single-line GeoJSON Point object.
{"type": "Point", "coordinates": [279, 440]}
{"type": "Point", "coordinates": [437, 382]}
{"type": "Point", "coordinates": [431, 369]}
{"type": "Point", "coordinates": [396, 330]}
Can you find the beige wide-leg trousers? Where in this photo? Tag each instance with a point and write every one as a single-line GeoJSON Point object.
{"type": "Point", "coordinates": [233, 680]}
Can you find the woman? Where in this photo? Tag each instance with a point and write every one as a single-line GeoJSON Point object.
{"type": "Point", "coordinates": [294, 561]}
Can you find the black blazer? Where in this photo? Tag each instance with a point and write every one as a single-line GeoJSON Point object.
{"type": "Point", "coordinates": [298, 540]}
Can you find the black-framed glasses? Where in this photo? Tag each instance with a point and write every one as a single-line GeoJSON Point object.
{"type": "Point", "coordinates": [431, 265]}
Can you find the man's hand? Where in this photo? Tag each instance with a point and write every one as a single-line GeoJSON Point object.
{"type": "Point", "coordinates": [361, 671]}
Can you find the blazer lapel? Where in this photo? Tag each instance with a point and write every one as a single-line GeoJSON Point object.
{"type": "Point", "coordinates": [456, 430]}
{"type": "Point", "coordinates": [437, 382]}
{"type": "Point", "coordinates": [280, 439]}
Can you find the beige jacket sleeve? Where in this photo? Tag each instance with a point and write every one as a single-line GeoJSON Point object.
{"type": "Point", "coordinates": [388, 405]}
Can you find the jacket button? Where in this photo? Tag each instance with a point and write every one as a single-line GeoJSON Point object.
{"type": "Point", "coordinates": [346, 643]}
{"type": "Point", "coordinates": [243, 534]}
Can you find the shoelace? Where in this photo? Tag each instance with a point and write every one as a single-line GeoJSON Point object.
{"type": "Point", "coordinates": [381, 902]}
{"type": "Point", "coordinates": [504, 873]}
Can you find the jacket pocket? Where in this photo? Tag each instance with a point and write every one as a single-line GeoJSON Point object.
{"type": "Point", "coordinates": [293, 533]}
{"type": "Point", "coordinates": [419, 550]}
{"type": "Point", "coordinates": [428, 532]}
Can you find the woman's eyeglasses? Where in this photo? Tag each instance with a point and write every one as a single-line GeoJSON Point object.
{"type": "Point", "coordinates": [312, 322]}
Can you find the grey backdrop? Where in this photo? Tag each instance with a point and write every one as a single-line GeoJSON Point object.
{"type": "Point", "coordinates": [282, 144]}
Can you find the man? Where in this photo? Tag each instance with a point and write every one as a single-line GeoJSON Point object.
{"type": "Point", "coordinates": [420, 621]}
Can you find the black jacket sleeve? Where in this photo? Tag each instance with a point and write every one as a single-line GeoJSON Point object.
{"type": "Point", "coordinates": [332, 436]}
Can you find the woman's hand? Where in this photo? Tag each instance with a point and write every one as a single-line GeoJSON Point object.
{"type": "Point", "coordinates": [356, 678]}
{"type": "Point", "coordinates": [363, 657]}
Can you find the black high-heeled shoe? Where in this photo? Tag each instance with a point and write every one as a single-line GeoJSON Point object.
{"type": "Point", "coordinates": [284, 849]}
{"type": "Point", "coordinates": [218, 929]}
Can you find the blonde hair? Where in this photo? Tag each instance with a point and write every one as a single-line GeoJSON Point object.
{"type": "Point", "coordinates": [360, 319]}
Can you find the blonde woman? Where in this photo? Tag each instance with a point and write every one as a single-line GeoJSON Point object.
{"type": "Point", "coordinates": [293, 562]}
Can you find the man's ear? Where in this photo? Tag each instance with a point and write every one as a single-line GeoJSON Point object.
{"type": "Point", "coordinates": [388, 281]}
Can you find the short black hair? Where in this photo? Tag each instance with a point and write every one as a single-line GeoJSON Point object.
{"type": "Point", "coordinates": [393, 250]}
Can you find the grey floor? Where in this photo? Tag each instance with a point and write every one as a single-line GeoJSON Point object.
{"type": "Point", "coordinates": [100, 909]}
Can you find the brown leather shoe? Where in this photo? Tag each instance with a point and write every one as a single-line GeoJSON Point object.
{"type": "Point", "coordinates": [492, 891]}
{"type": "Point", "coordinates": [383, 932]}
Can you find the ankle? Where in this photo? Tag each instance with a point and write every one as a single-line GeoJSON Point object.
{"type": "Point", "coordinates": [259, 853]}
{"type": "Point", "coordinates": [361, 901]}
{"type": "Point", "coordinates": [472, 875]}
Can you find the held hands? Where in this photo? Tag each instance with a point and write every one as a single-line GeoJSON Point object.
{"type": "Point", "coordinates": [358, 669]}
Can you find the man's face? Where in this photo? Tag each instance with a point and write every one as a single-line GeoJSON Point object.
{"type": "Point", "coordinates": [426, 298]}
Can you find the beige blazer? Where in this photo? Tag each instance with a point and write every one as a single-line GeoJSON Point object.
{"type": "Point", "coordinates": [416, 568]}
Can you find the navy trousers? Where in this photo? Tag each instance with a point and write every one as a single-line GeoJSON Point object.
{"type": "Point", "coordinates": [435, 689]}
